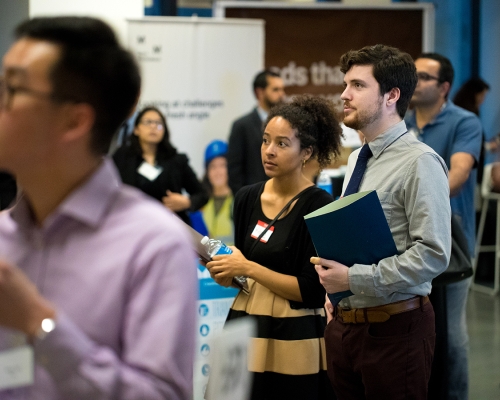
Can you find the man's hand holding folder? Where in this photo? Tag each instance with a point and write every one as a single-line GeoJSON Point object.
{"type": "Point", "coordinates": [333, 275]}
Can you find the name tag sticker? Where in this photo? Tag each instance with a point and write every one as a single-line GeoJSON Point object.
{"type": "Point", "coordinates": [149, 171]}
{"type": "Point", "coordinates": [259, 228]}
{"type": "Point", "coordinates": [16, 367]}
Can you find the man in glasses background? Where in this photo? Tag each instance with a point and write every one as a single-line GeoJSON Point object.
{"type": "Point", "coordinates": [98, 283]}
{"type": "Point", "coordinates": [455, 134]}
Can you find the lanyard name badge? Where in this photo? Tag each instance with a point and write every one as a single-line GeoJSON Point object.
{"type": "Point", "coordinates": [260, 227]}
{"type": "Point", "coordinates": [17, 367]}
{"type": "Point", "coordinates": [264, 228]}
{"type": "Point", "coordinates": [149, 171]}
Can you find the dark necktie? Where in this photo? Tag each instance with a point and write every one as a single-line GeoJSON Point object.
{"type": "Point", "coordinates": [352, 187]}
{"type": "Point", "coordinates": [359, 170]}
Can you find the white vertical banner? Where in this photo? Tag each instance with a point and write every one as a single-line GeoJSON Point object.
{"type": "Point", "coordinates": [199, 72]}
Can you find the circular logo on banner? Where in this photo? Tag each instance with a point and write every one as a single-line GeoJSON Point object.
{"type": "Point", "coordinates": [203, 310]}
{"type": "Point", "coordinates": [205, 350]}
{"type": "Point", "coordinates": [204, 329]}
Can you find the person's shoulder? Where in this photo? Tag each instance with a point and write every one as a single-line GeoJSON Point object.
{"type": "Point", "coordinates": [456, 115]}
{"type": "Point", "coordinates": [180, 158]}
{"type": "Point", "coordinates": [455, 110]}
{"type": "Point", "coordinates": [137, 212]}
{"type": "Point", "coordinates": [247, 191]}
{"type": "Point", "coordinates": [316, 197]}
{"type": "Point", "coordinates": [176, 160]}
{"type": "Point", "coordinates": [414, 146]}
{"type": "Point", "coordinates": [122, 153]}
{"type": "Point", "coordinates": [245, 119]}
{"type": "Point", "coordinates": [417, 153]}
{"type": "Point", "coordinates": [412, 150]}
{"type": "Point", "coordinates": [7, 225]}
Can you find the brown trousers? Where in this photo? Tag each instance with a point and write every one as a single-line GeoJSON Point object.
{"type": "Point", "coordinates": [387, 360]}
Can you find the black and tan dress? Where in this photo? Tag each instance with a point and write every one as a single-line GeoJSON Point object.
{"type": "Point", "coordinates": [288, 356]}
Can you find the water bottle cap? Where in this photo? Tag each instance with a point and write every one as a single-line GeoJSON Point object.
{"type": "Point", "coordinates": [204, 240]}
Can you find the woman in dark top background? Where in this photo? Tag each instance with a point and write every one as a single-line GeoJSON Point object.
{"type": "Point", "coordinates": [150, 163]}
{"type": "Point", "coordinates": [286, 297]}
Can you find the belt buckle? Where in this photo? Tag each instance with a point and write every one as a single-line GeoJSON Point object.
{"type": "Point", "coordinates": [346, 315]}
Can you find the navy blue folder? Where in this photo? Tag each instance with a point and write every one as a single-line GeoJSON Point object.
{"type": "Point", "coordinates": [351, 230]}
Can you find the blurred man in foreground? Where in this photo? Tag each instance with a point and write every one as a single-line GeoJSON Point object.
{"type": "Point", "coordinates": [96, 281]}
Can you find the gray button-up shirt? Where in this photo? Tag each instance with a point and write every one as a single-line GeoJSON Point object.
{"type": "Point", "coordinates": [412, 185]}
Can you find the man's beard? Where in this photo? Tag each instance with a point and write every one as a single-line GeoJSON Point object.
{"type": "Point", "coordinates": [365, 118]}
{"type": "Point", "coordinates": [270, 104]}
{"type": "Point", "coordinates": [424, 98]}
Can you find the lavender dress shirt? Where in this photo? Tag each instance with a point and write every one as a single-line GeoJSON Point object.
{"type": "Point", "coordinates": [121, 272]}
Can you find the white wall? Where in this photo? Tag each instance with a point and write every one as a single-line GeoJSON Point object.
{"type": "Point", "coordinates": [489, 62]}
{"type": "Point", "coordinates": [12, 12]}
{"type": "Point", "coordinates": [114, 12]}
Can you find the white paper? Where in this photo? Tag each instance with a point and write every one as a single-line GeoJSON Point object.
{"type": "Point", "coordinates": [149, 171]}
{"type": "Point", "coordinates": [16, 367]}
{"type": "Point", "coordinates": [229, 375]}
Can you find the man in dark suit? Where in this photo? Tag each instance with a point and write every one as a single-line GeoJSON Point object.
{"type": "Point", "coordinates": [243, 156]}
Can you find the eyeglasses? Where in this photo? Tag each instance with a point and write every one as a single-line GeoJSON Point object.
{"type": "Point", "coordinates": [7, 93]}
{"type": "Point", "coordinates": [150, 122]}
{"type": "Point", "coordinates": [424, 76]}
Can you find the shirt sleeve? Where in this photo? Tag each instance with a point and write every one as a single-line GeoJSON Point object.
{"type": "Point", "coordinates": [468, 137]}
{"type": "Point", "coordinates": [427, 206]}
{"type": "Point", "coordinates": [155, 358]}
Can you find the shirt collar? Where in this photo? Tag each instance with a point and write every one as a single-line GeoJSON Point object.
{"type": "Point", "coordinates": [412, 119]}
{"type": "Point", "coordinates": [384, 140]}
{"type": "Point", "coordinates": [442, 112]}
{"type": "Point", "coordinates": [87, 203]}
{"type": "Point", "coordinates": [262, 113]}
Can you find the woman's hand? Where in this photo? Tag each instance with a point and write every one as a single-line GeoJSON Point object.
{"type": "Point", "coordinates": [224, 267]}
{"type": "Point", "coordinates": [328, 309]}
{"type": "Point", "coordinates": [176, 201]}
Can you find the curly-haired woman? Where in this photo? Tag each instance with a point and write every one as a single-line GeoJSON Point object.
{"type": "Point", "coordinates": [286, 296]}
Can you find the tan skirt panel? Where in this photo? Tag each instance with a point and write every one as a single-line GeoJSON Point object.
{"type": "Point", "coordinates": [290, 357]}
{"type": "Point", "coordinates": [262, 301]}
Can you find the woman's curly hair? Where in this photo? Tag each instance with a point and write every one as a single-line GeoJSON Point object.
{"type": "Point", "coordinates": [316, 125]}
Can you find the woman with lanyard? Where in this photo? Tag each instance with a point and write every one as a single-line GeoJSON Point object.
{"type": "Point", "coordinates": [273, 248]}
{"type": "Point", "coordinates": [150, 163]}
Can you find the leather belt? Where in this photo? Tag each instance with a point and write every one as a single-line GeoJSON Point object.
{"type": "Point", "coordinates": [379, 313]}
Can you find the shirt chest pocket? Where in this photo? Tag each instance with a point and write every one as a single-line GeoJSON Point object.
{"type": "Point", "coordinates": [386, 200]}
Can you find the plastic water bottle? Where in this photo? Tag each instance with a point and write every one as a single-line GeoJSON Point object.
{"type": "Point", "coordinates": [324, 182]}
{"type": "Point", "coordinates": [216, 247]}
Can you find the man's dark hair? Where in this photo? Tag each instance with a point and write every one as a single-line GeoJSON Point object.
{"type": "Point", "coordinates": [392, 68]}
{"type": "Point", "coordinates": [446, 72]}
{"type": "Point", "coordinates": [261, 81]}
{"type": "Point", "coordinates": [93, 68]}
